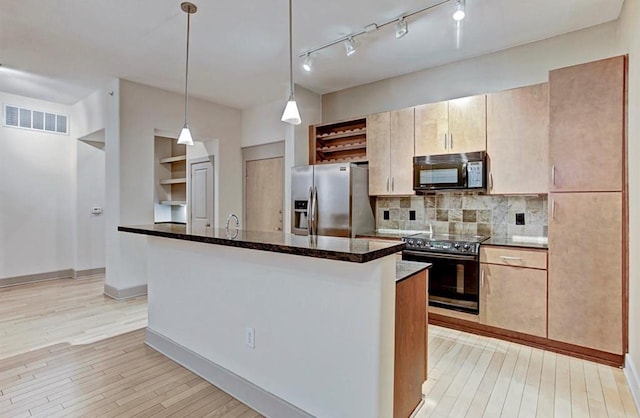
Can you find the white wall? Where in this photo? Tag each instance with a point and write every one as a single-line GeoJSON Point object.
{"type": "Point", "coordinates": [630, 35]}
{"type": "Point", "coordinates": [37, 175]}
{"type": "Point", "coordinates": [515, 67]}
{"type": "Point", "coordinates": [144, 111]}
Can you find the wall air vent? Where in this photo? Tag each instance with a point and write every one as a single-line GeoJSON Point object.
{"type": "Point", "coordinates": [19, 117]}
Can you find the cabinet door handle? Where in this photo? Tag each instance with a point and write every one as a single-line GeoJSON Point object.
{"type": "Point", "coordinates": [553, 209]}
{"type": "Point", "coordinates": [553, 174]}
{"type": "Point", "coordinates": [507, 259]}
{"type": "Point", "coordinates": [482, 278]}
{"type": "Point", "coordinates": [392, 185]}
{"type": "Point", "coordinates": [490, 181]}
{"type": "Point", "coordinates": [445, 141]}
{"type": "Point", "coordinates": [451, 141]}
{"type": "Point", "coordinates": [387, 183]}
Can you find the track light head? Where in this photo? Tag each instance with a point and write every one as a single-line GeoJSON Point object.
{"type": "Point", "coordinates": [459, 12]}
{"type": "Point", "coordinates": [401, 28]}
{"type": "Point", "coordinates": [307, 64]}
{"type": "Point", "coordinates": [350, 46]}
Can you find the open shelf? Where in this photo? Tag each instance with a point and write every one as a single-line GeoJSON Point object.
{"type": "Point", "coordinates": [173, 202]}
{"type": "Point", "coordinates": [182, 180]}
{"type": "Point", "coordinates": [175, 159]}
{"type": "Point", "coordinates": [338, 142]}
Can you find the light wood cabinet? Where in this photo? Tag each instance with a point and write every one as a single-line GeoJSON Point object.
{"type": "Point", "coordinates": [390, 152]}
{"type": "Point", "coordinates": [513, 295]}
{"type": "Point", "coordinates": [455, 126]}
{"type": "Point", "coordinates": [585, 270]}
{"type": "Point", "coordinates": [518, 140]}
{"type": "Point", "coordinates": [586, 126]}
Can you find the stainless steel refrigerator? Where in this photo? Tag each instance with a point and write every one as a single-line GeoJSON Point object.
{"type": "Point", "coordinates": [331, 199]}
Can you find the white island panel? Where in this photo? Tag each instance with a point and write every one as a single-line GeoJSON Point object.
{"type": "Point", "coordinates": [324, 329]}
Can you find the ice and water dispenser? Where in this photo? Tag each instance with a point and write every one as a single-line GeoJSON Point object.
{"type": "Point", "coordinates": [300, 212]}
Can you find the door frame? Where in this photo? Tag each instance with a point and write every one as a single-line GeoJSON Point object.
{"type": "Point", "coordinates": [190, 163]}
{"type": "Point", "coordinates": [262, 152]}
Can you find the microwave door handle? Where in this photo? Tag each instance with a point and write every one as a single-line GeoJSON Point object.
{"type": "Point", "coordinates": [464, 174]}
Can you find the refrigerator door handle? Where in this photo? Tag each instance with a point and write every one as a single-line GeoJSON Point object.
{"type": "Point", "coordinates": [310, 211]}
{"type": "Point", "coordinates": [315, 211]}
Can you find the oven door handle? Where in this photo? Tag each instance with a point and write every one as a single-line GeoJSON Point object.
{"type": "Point", "coordinates": [442, 256]}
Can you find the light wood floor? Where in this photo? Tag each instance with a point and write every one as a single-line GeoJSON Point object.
{"type": "Point", "coordinates": [66, 350]}
{"type": "Point", "coordinates": [474, 376]}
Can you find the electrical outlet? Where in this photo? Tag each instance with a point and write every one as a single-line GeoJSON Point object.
{"type": "Point", "coordinates": [385, 215]}
{"type": "Point", "coordinates": [412, 215]}
{"type": "Point", "coordinates": [250, 337]}
{"type": "Point", "coordinates": [519, 218]}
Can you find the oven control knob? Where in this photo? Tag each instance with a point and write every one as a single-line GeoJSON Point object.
{"type": "Point", "coordinates": [467, 246]}
{"type": "Point", "coordinates": [419, 243]}
{"type": "Point", "coordinates": [410, 242]}
{"type": "Point", "coordinates": [457, 246]}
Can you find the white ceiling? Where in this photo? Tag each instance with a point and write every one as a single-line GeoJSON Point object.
{"type": "Point", "coordinates": [62, 50]}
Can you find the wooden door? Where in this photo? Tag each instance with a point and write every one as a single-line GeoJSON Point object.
{"type": "Point", "coordinates": [514, 298]}
{"type": "Point", "coordinates": [401, 152]}
{"type": "Point", "coordinates": [585, 270]}
{"type": "Point", "coordinates": [202, 194]}
{"type": "Point", "coordinates": [264, 187]}
{"type": "Point", "coordinates": [518, 140]}
{"type": "Point", "coordinates": [468, 124]}
{"type": "Point", "coordinates": [431, 129]}
{"type": "Point", "coordinates": [586, 126]}
{"type": "Point", "coordinates": [378, 149]}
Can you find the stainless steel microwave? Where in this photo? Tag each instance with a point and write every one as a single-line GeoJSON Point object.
{"type": "Point", "coordinates": [450, 172]}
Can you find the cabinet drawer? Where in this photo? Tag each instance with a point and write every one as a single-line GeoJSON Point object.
{"type": "Point", "coordinates": [536, 259]}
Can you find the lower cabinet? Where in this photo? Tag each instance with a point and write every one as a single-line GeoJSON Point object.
{"type": "Point", "coordinates": [513, 296]}
{"type": "Point", "coordinates": [410, 343]}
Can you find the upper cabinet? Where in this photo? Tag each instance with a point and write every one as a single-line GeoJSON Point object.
{"type": "Point", "coordinates": [517, 140]}
{"type": "Point", "coordinates": [455, 126]}
{"type": "Point", "coordinates": [390, 152]}
{"type": "Point", "coordinates": [586, 126]}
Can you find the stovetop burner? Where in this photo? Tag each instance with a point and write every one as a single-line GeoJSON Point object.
{"type": "Point", "coordinates": [445, 243]}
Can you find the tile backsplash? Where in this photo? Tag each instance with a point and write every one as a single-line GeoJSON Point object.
{"type": "Point", "coordinates": [464, 213]}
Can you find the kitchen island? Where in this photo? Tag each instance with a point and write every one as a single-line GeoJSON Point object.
{"type": "Point", "coordinates": [292, 325]}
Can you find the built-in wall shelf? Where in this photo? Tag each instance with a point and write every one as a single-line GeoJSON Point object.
{"type": "Point", "coordinates": [175, 159]}
{"type": "Point", "coordinates": [338, 142]}
{"type": "Point", "coordinates": [182, 180]}
{"type": "Point", "coordinates": [173, 202]}
{"type": "Point", "coordinates": [170, 180]}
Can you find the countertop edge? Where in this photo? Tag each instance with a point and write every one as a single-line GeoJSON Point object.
{"type": "Point", "coordinates": [406, 269]}
{"type": "Point", "coordinates": [277, 248]}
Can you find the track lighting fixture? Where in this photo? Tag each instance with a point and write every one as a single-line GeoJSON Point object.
{"type": "Point", "coordinates": [459, 11]}
{"type": "Point", "coordinates": [401, 28]}
{"type": "Point", "coordinates": [185, 135]}
{"type": "Point", "coordinates": [291, 113]}
{"type": "Point", "coordinates": [306, 65]}
{"type": "Point", "coordinates": [350, 46]}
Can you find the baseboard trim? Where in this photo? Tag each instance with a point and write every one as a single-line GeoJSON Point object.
{"type": "Point", "coordinates": [81, 274]}
{"type": "Point", "coordinates": [40, 277]}
{"type": "Point", "coordinates": [255, 397]}
{"type": "Point", "coordinates": [633, 378]}
{"type": "Point", "coordinates": [126, 293]}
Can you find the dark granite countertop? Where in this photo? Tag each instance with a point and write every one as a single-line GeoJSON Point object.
{"type": "Point", "coordinates": [333, 248]}
{"type": "Point", "coordinates": [406, 269]}
{"type": "Point", "coordinates": [517, 241]}
{"type": "Point", "coordinates": [387, 234]}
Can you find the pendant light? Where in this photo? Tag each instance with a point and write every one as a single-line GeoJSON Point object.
{"type": "Point", "coordinates": [291, 114]}
{"type": "Point", "coordinates": [185, 135]}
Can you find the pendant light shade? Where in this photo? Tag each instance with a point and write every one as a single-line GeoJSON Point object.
{"type": "Point", "coordinates": [185, 135]}
{"type": "Point", "coordinates": [291, 113]}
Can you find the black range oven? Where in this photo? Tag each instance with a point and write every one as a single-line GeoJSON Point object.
{"type": "Point", "coordinates": [454, 278]}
